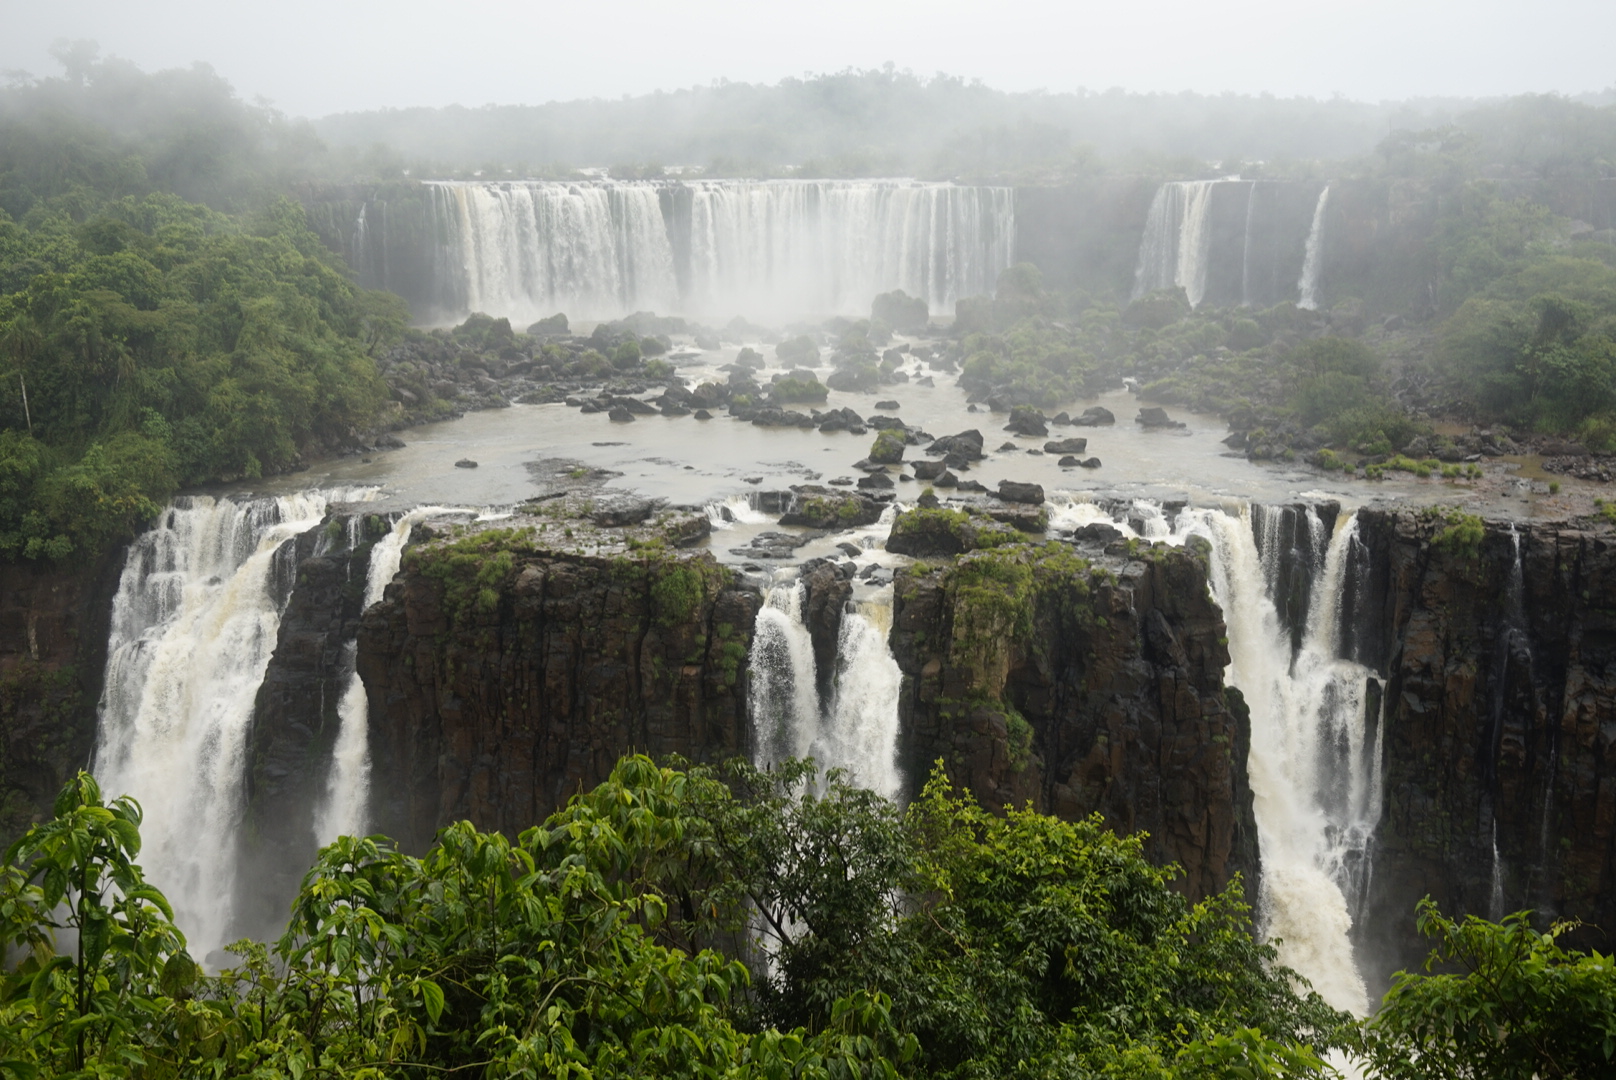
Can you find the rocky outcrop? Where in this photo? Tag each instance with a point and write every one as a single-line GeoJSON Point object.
{"type": "Point", "coordinates": [1499, 649]}
{"type": "Point", "coordinates": [54, 622]}
{"type": "Point", "coordinates": [1036, 676]}
{"type": "Point", "coordinates": [295, 718]}
{"type": "Point", "coordinates": [504, 677]}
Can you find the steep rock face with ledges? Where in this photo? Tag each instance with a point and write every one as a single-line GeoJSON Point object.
{"type": "Point", "coordinates": [500, 702]}
{"type": "Point", "coordinates": [1500, 722]}
{"type": "Point", "coordinates": [1104, 694]}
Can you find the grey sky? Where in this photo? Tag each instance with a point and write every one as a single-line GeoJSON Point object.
{"type": "Point", "coordinates": [311, 57]}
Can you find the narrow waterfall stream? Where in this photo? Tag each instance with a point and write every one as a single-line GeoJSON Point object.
{"type": "Point", "coordinates": [194, 624]}
{"type": "Point", "coordinates": [1307, 286]}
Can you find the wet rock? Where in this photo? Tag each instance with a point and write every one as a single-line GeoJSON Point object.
{"type": "Point", "coordinates": [389, 442]}
{"type": "Point", "coordinates": [890, 406]}
{"type": "Point", "coordinates": [821, 508]}
{"type": "Point", "coordinates": [1097, 532]}
{"type": "Point", "coordinates": [971, 485]}
{"type": "Point", "coordinates": [465, 463]}
{"type": "Point", "coordinates": [1156, 417]}
{"type": "Point", "coordinates": [967, 444]}
{"type": "Point", "coordinates": [1095, 416]}
{"type": "Point", "coordinates": [620, 415]}
{"type": "Point", "coordinates": [928, 470]}
{"type": "Point", "coordinates": [1090, 463]}
{"type": "Point", "coordinates": [947, 480]}
{"type": "Point", "coordinates": [850, 549]}
{"type": "Point", "coordinates": [1016, 492]}
{"type": "Point", "coordinates": [1008, 447]}
{"type": "Point", "coordinates": [1066, 446]}
{"type": "Point", "coordinates": [703, 414]}
{"type": "Point", "coordinates": [1060, 419]}
{"type": "Point", "coordinates": [1068, 461]}
{"type": "Point", "coordinates": [876, 482]}
{"type": "Point", "coordinates": [1027, 420]}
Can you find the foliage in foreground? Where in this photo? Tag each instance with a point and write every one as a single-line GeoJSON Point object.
{"type": "Point", "coordinates": [937, 942]}
{"type": "Point", "coordinates": [622, 938]}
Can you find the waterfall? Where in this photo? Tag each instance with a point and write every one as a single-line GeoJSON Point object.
{"type": "Point", "coordinates": [737, 509]}
{"type": "Point", "coordinates": [1314, 762]}
{"type": "Point", "coordinates": [1176, 249]}
{"type": "Point", "coordinates": [1313, 256]}
{"type": "Point", "coordinates": [775, 247]}
{"type": "Point", "coordinates": [347, 799]}
{"type": "Point", "coordinates": [194, 623]}
{"type": "Point", "coordinates": [858, 731]}
{"type": "Point", "coordinates": [527, 250]}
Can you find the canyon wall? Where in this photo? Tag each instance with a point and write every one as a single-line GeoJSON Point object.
{"type": "Point", "coordinates": [1500, 722]}
{"type": "Point", "coordinates": [499, 707]}
{"type": "Point", "coordinates": [54, 622]}
{"type": "Point", "coordinates": [1103, 694]}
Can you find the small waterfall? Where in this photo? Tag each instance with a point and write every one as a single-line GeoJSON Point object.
{"type": "Point", "coordinates": [1176, 249]}
{"type": "Point", "coordinates": [858, 731]}
{"type": "Point", "coordinates": [860, 734]}
{"type": "Point", "coordinates": [194, 623]}
{"type": "Point", "coordinates": [1313, 256]}
{"type": "Point", "coordinates": [1245, 249]}
{"type": "Point", "coordinates": [784, 698]}
{"type": "Point", "coordinates": [347, 801]}
{"type": "Point", "coordinates": [737, 509]}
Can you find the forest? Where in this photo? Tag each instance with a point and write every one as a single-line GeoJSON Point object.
{"type": "Point", "coordinates": [728, 922]}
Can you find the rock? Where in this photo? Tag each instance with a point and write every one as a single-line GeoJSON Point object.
{"type": "Point", "coordinates": [703, 414]}
{"type": "Point", "coordinates": [1066, 446]}
{"type": "Point", "coordinates": [890, 406]}
{"type": "Point", "coordinates": [1008, 447]}
{"type": "Point", "coordinates": [925, 380]}
{"type": "Point", "coordinates": [821, 508]}
{"type": "Point", "coordinates": [971, 485]}
{"type": "Point", "coordinates": [675, 410]}
{"type": "Point", "coordinates": [620, 415]}
{"type": "Point", "coordinates": [1013, 491]}
{"type": "Point", "coordinates": [1097, 532]}
{"type": "Point", "coordinates": [947, 480]}
{"type": "Point", "coordinates": [389, 442]}
{"type": "Point", "coordinates": [1068, 461]}
{"type": "Point", "coordinates": [1156, 417]}
{"type": "Point", "coordinates": [851, 550]}
{"type": "Point", "coordinates": [887, 449]}
{"type": "Point", "coordinates": [928, 500]}
{"type": "Point", "coordinates": [1027, 420]}
{"type": "Point", "coordinates": [465, 463]}
{"type": "Point", "coordinates": [1090, 463]}
{"type": "Point", "coordinates": [967, 444]}
{"type": "Point", "coordinates": [927, 470]}
{"type": "Point", "coordinates": [1060, 419]}
{"type": "Point", "coordinates": [876, 482]}
{"type": "Point", "coordinates": [1095, 416]}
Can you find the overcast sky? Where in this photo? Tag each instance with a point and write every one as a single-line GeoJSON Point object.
{"type": "Point", "coordinates": [312, 57]}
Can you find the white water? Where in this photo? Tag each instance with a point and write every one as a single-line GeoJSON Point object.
{"type": "Point", "coordinates": [347, 797]}
{"type": "Point", "coordinates": [194, 624]}
{"type": "Point", "coordinates": [1176, 248]}
{"type": "Point", "coordinates": [858, 730]}
{"type": "Point", "coordinates": [766, 248]}
{"type": "Point", "coordinates": [1313, 256]}
{"type": "Point", "coordinates": [737, 509]}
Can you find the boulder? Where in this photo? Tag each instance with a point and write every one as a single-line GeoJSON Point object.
{"type": "Point", "coordinates": [967, 444]}
{"type": "Point", "coordinates": [1027, 420]}
{"type": "Point", "coordinates": [1098, 531]}
{"type": "Point", "coordinates": [1014, 491]}
{"type": "Point", "coordinates": [928, 470]}
{"type": "Point", "coordinates": [1156, 417]}
{"type": "Point", "coordinates": [1090, 463]}
{"type": "Point", "coordinates": [465, 463]}
{"type": "Point", "coordinates": [876, 482]}
{"type": "Point", "coordinates": [1066, 446]}
{"type": "Point", "coordinates": [1068, 461]}
{"type": "Point", "coordinates": [1096, 416]}
{"type": "Point", "coordinates": [620, 415]}
{"type": "Point", "coordinates": [890, 406]}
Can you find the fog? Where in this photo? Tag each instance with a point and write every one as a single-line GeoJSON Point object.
{"type": "Point", "coordinates": [312, 59]}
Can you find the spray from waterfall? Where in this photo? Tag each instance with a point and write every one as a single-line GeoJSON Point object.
{"type": "Point", "coordinates": [1313, 256]}
{"type": "Point", "coordinates": [194, 623]}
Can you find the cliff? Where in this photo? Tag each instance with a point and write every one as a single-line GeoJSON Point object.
{"type": "Point", "coordinates": [1499, 649]}
{"type": "Point", "coordinates": [506, 673]}
{"type": "Point", "coordinates": [54, 622]}
{"type": "Point", "coordinates": [1083, 687]}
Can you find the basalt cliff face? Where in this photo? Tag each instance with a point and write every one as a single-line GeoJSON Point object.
{"type": "Point", "coordinates": [54, 623]}
{"type": "Point", "coordinates": [1103, 694]}
{"type": "Point", "coordinates": [1499, 721]}
{"type": "Point", "coordinates": [498, 701]}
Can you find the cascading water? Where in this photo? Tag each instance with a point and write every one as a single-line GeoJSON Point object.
{"type": "Point", "coordinates": [776, 247]}
{"type": "Point", "coordinates": [857, 729]}
{"type": "Point", "coordinates": [1315, 747]}
{"type": "Point", "coordinates": [347, 800]}
{"type": "Point", "coordinates": [1177, 246]}
{"type": "Point", "coordinates": [1307, 286]}
{"type": "Point", "coordinates": [194, 624]}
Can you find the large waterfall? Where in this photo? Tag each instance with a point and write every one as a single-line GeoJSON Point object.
{"type": "Point", "coordinates": [764, 248]}
{"type": "Point", "coordinates": [857, 730]}
{"type": "Point", "coordinates": [194, 624]}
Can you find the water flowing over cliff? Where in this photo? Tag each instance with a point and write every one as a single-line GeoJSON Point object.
{"type": "Point", "coordinates": [193, 626]}
{"type": "Point", "coordinates": [716, 247]}
{"type": "Point", "coordinates": [856, 728]}
{"type": "Point", "coordinates": [1307, 286]}
{"type": "Point", "coordinates": [1229, 242]}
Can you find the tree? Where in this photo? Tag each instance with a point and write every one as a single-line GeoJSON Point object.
{"type": "Point", "coordinates": [1508, 1004]}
